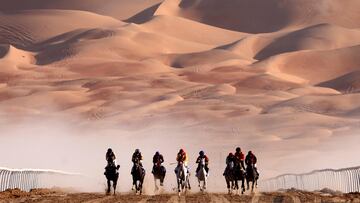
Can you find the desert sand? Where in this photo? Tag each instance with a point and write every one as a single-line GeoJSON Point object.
{"type": "Point", "coordinates": [280, 78]}
{"type": "Point", "coordinates": [290, 196]}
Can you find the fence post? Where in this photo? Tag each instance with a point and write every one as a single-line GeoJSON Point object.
{"type": "Point", "coordinates": [2, 179]}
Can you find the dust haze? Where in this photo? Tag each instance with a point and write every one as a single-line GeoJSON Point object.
{"type": "Point", "coordinates": [62, 145]}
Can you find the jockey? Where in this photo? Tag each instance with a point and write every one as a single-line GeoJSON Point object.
{"type": "Point", "coordinates": [136, 157]}
{"type": "Point", "coordinates": [181, 158]}
{"type": "Point", "coordinates": [198, 161]}
{"type": "Point", "coordinates": [251, 160]}
{"type": "Point", "coordinates": [239, 158]}
{"type": "Point", "coordinates": [110, 156]}
{"type": "Point", "coordinates": [229, 158]}
{"type": "Point", "coordinates": [158, 158]}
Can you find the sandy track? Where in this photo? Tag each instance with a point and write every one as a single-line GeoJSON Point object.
{"type": "Point", "coordinates": [288, 197]}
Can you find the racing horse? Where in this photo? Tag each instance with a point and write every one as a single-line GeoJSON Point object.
{"type": "Point", "coordinates": [159, 173]}
{"type": "Point", "coordinates": [138, 175]}
{"type": "Point", "coordinates": [182, 177]}
{"type": "Point", "coordinates": [111, 173]}
{"type": "Point", "coordinates": [251, 176]}
{"type": "Point", "coordinates": [202, 175]}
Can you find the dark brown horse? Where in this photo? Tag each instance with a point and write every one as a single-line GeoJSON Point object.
{"type": "Point", "coordinates": [111, 174]}
{"type": "Point", "coordinates": [251, 176]}
{"type": "Point", "coordinates": [138, 175]}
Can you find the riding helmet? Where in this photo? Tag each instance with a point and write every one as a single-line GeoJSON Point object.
{"type": "Point", "coordinates": [238, 149]}
{"type": "Point", "coordinates": [201, 153]}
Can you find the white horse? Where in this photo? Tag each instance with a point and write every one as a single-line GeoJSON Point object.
{"type": "Point", "coordinates": [202, 175]}
{"type": "Point", "coordinates": [182, 177]}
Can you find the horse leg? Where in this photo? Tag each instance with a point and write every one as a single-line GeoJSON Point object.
{"type": "Point", "coordinates": [114, 185]}
{"type": "Point", "coordinates": [134, 183]}
{"type": "Point", "coordinates": [242, 185]}
{"type": "Point", "coordinates": [162, 180]}
{"type": "Point", "coordinates": [141, 182]}
{"type": "Point", "coordinates": [109, 185]}
{"type": "Point", "coordinates": [252, 186]}
{"type": "Point", "coordinates": [188, 182]}
{"type": "Point", "coordinates": [179, 186]}
{"type": "Point", "coordinates": [227, 185]}
{"type": "Point", "coordinates": [247, 183]}
{"type": "Point", "coordinates": [237, 186]}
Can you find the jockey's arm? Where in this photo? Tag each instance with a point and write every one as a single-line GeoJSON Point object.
{"type": "Point", "coordinates": [206, 159]}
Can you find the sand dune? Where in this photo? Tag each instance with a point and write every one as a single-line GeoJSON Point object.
{"type": "Point", "coordinates": [269, 16]}
{"type": "Point", "coordinates": [199, 59]}
{"type": "Point", "coordinates": [120, 9]}
{"type": "Point", "coordinates": [349, 83]}
{"type": "Point", "coordinates": [314, 66]}
{"type": "Point", "coordinates": [278, 77]}
{"type": "Point", "coordinates": [25, 28]}
{"type": "Point", "coordinates": [11, 53]}
{"type": "Point", "coordinates": [191, 30]}
{"type": "Point", "coordinates": [328, 105]}
{"type": "Point", "coordinates": [317, 37]}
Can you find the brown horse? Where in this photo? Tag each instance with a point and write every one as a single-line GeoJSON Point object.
{"type": "Point", "coordinates": [111, 174]}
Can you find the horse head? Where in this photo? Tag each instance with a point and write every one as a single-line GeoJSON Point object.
{"type": "Point", "coordinates": [202, 162]}
{"type": "Point", "coordinates": [182, 171]}
{"type": "Point", "coordinates": [230, 165]}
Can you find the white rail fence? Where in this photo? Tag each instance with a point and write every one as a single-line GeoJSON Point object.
{"type": "Point", "coordinates": [344, 180]}
{"type": "Point", "coordinates": [27, 179]}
